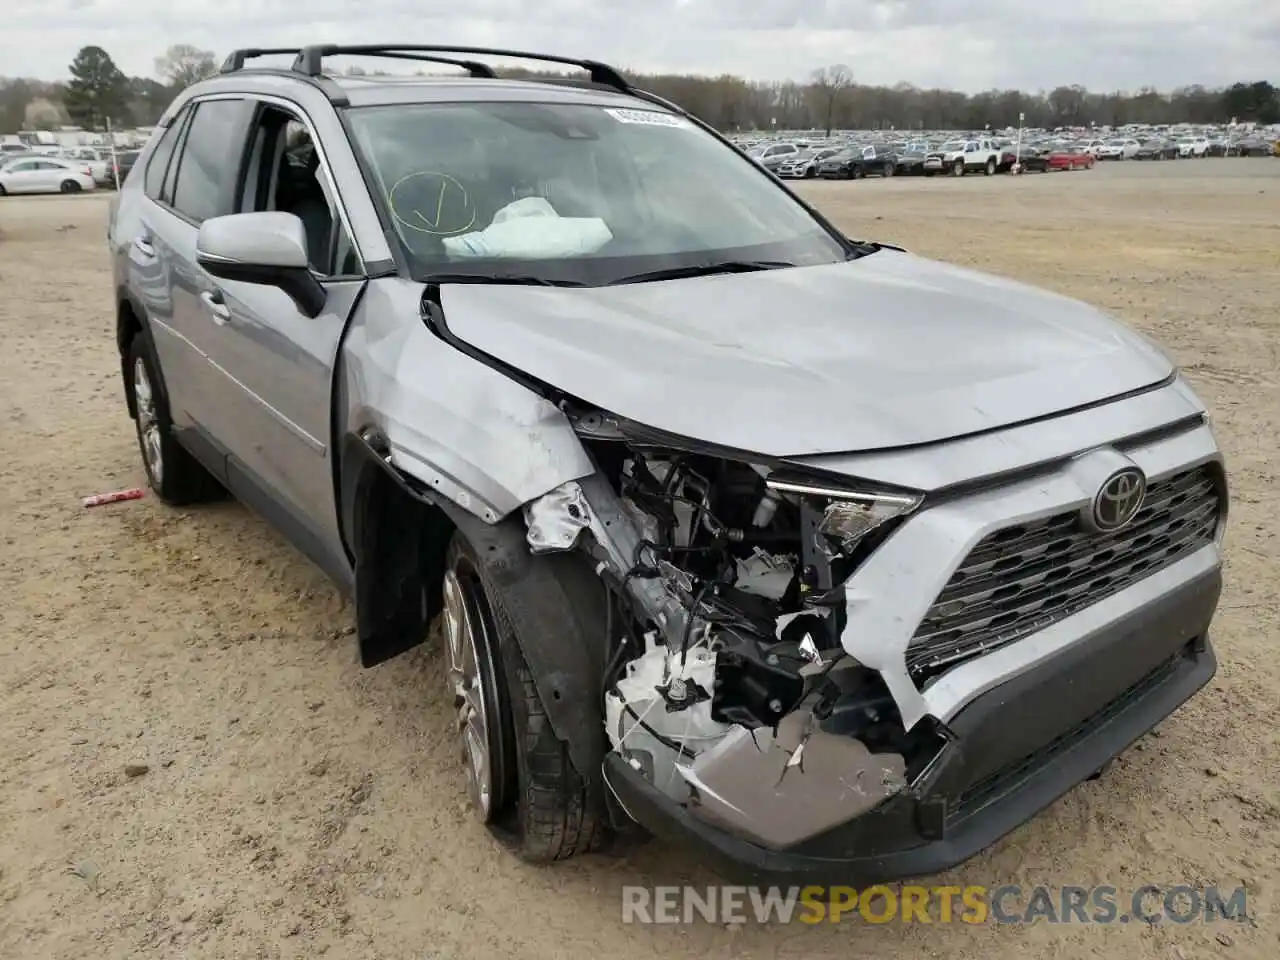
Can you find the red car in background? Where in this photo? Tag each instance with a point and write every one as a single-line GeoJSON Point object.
{"type": "Point", "coordinates": [1044, 159]}
{"type": "Point", "coordinates": [1070, 158]}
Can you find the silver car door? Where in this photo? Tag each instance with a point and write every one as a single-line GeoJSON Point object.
{"type": "Point", "coordinates": [161, 255]}
{"type": "Point", "coordinates": [278, 364]}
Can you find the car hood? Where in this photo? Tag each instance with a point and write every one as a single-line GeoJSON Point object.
{"type": "Point", "coordinates": [884, 351]}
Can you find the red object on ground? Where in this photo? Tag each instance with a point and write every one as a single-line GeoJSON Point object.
{"type": "Point", "coordinates": [98, 499]}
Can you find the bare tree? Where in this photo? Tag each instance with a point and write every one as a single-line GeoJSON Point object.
{"type": "Point", "coordinates": [828, 86]}
{"type": "Point", "coordinates": [182, 65]}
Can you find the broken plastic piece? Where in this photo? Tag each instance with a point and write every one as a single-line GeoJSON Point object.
{"type": "Point", "coordinates": [779, 788]}
{"type": "Point", "coordinates": [98, 499]}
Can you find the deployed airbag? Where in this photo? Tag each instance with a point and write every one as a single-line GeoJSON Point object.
{"type": "Point", "coordinates": [530, 229]}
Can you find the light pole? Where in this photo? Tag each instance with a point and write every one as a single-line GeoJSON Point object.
{"type": "Point", "coordinates": [1017, 150]}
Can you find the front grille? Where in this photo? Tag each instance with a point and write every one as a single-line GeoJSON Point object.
{"type": "Point", "coordinates": [1023, 578]}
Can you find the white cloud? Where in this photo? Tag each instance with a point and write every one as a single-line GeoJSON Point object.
{"type": "Point", "coordinates": [961, 44]}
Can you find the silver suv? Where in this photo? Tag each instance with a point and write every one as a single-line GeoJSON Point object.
{"type": "Point", "coordinates": [824, 558]}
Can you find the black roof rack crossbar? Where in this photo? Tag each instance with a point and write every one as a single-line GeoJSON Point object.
{"type": "Point", "coordinates": [310, 59]}
{"type": "Point", "coordinates": [236, 58]}
{"type": "Point", "coordinates": [471, 66]}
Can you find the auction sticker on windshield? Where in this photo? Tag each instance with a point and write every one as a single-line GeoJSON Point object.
{"type": "Point", "coordinates": [651, 117]}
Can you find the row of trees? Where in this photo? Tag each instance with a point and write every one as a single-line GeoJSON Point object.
{"type": "Point", "coordinates": [99, 91]}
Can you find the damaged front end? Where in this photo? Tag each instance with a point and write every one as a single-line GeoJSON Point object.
{"type": "Point", "coordinates": [727, 687]}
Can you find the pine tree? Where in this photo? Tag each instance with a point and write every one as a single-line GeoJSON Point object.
{"type": "Point", "coordinates": [98, 90]}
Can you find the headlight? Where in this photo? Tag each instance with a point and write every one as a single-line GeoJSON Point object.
{"type": "Point", "coordinates": [850, 513]}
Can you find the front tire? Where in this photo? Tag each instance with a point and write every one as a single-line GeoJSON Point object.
{"type": "Point", "coordinates": [522, 783]}
{"type": "Point", "coordinates": [173, 474]}
{"type": "Point", "coordinates": [957, 169]}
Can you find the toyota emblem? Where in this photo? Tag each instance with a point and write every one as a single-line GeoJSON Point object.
{"type": "Point", "coordinates": [1118, 500]}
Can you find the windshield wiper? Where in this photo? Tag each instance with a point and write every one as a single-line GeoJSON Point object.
{"type": "Point", "coordinates": [705, 270]}
{"type": "Point", "coordinates": [508, 278]}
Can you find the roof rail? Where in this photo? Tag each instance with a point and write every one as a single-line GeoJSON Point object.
{"type": "Point", "coordinates": [471, 66]}
{"type": "Point", "coordinates": [236, 58]}
{"type": "Point", "coordinates": [309, 60]}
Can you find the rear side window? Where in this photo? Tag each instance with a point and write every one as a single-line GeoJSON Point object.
{"type": "Point", "coordinates": [210, 160]}
{"type": "Point", "coordinates": [160, 157]}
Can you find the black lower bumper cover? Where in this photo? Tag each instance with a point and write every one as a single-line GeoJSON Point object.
{"type": "Point", "coordinates": [1018, 748]}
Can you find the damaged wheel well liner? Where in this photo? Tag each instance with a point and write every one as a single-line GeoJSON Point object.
{"type": "Point", "coordinates": [400, 536]}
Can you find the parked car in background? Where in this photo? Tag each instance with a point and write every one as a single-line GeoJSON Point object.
{"type": "Point", "coordinates": [880, 159]}
{"type": "Point", "coordinates": [45, 175]}
{"type": "Point", "coordinates": [958, 157]}
{"type": "Point", "coordinates": [842, 165]}
{"type": "Point", "coordinates": [124, 163]}
{"type": "Point", "coordinates": [910, 162]}
{"type": "Point", "coordinates": [1193, 148]}
{"type": "Point", "coordinates": [1071, 157]}
{"type": "Point", "coordinates": [1252, 147]}
{"type": "Point", "coordinates": [1035, 159]}
{"type": "Point", "coordinates": [770, 156]}
{"type": "Point", "coordinates": [804, 165]}
{"type": "Point", "coordinates": [1121, 148]}
{"type": "Point", "coordinates": [1156, 148]}
{"type": "Point", "coordinates": [98, 161]}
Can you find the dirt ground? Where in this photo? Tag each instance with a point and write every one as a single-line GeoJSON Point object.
{"type": "Point", "coordinates": [296, 805]}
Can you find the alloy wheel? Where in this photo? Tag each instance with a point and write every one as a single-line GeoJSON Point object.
{"type": "Point", "coordinates": [463, 625]}
{"type": "Point", "coordinates": [148, 422]}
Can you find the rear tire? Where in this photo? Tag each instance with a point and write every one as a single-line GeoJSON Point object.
{"type": "Point", "coordinates": [70, 186]}
{"type": "Point", "coordinates": [539, 805]}
{"type": "Point", "coordinates": [889, 170]}
{"type": "Point", "coordinates": [173, 474]}
{"type": "Point", "coordinates": [990, 168]}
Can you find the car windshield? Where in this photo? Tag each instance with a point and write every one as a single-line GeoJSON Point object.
{"type": "Point", "coordinates": [574, 193]}
{"type": "Point", "coordinates": [953, 145]}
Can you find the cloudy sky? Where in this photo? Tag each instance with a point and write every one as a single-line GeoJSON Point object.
{"type": "Point", "coordinates": [962, 44]}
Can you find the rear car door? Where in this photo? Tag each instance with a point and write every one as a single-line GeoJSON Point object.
{"type": "Point", "coordinates": [276, 363]}
{"type": "Point", "coordinates": [197, 182]}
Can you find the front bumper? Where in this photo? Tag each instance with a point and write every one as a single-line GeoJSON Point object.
{"type": "Point", "coordinates": [1015, 749]}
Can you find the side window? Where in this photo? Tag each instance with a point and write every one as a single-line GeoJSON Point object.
{"type": "Point", "coordinates": [210, 161]}
{"type": "Point", "coordinates": [158, 165]}
{"type": "Point", "coordinates": [285, 174]}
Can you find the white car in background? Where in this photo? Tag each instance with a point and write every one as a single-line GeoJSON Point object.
{"type": "Point", "coordinates": [46, 175]}
{"type": "Point", "coordinates": [1196, 147]}
{"type": "Point", "coordinates": [1122, 148]}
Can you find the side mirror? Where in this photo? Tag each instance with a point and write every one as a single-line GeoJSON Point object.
{"type": "Point", "coordinates": [267, 248]}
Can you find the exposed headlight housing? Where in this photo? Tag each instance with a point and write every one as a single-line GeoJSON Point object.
{"type": "Point", "coordinates": [850, 513]}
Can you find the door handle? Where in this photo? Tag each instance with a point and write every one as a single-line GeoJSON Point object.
{"type": "Point", "coordinates": [217, 309]}
{"type": "Point", "coordinates": [144, 247]}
